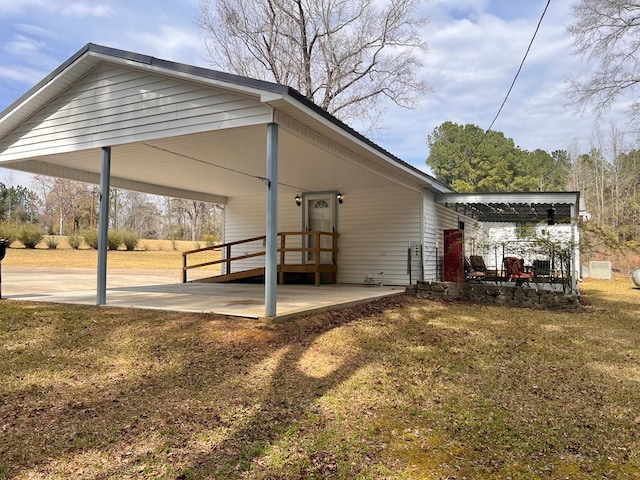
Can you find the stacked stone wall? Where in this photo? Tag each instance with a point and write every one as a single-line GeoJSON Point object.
{"type": "Point", "coordinates": [492, 294]}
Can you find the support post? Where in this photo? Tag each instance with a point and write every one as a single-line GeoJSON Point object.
{"type": "Point", "coordinates": [574, 258]}
{"type": "Point", "coordinates": [103, 225]}
{"type": "Point", "coordinates": [271, 252]}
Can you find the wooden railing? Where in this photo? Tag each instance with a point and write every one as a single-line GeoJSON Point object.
{"type": "Point", "coordinates": [314, 265]}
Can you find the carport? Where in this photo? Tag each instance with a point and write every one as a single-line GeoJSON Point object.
{"type": "Point", "coordinates": [125, 120]}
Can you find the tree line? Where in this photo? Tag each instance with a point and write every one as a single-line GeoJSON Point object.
{"type": "Point", "coordinates": [65, 207]}
{"type": "Point", "coordinates": [607, 176]}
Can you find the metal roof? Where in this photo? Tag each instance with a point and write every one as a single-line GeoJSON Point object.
{"type": "Point", "coordinates": [88, 56]}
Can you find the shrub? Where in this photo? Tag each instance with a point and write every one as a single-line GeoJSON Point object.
{"type": "Point", "coordinates": [74, 241]}
{"type": "Point", "coordinates": [8, 232]}
{"type": "Point", "coordinates": [210, 240]}
{"type": "Point", "coordinates": [51, 241]}
{"type": "Point", "coordinates": [114, 239]}
{"type": "Point", "coordinates": [130, 239]}
{"type": "Point", "coordinates": [91, 238]}
{"type": "Point", "coordinates": [30, 235]}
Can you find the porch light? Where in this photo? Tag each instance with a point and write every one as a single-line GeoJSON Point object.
{"type": "Point", "coordinates": [339, 197]}
{"type": "Point", "coordinates": [298, 200]}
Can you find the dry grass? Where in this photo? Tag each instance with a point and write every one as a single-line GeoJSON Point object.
{"type": "Point", "coordinates": [400, 389]}
{"type": "Point", "coordinates": [152, 254]}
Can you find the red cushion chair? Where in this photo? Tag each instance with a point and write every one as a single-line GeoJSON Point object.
{"type": "Point", "coordinates": [514, 267]}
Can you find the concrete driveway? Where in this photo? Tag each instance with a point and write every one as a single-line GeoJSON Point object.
{"type": "Point", "coordinates": [159, 289]}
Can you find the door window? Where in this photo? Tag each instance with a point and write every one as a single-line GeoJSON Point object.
{"type": "Point", "coordinates": [320, 215]}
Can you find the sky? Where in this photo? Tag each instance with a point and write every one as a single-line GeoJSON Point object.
{"type": "Point", "coordinates": [475, 49]}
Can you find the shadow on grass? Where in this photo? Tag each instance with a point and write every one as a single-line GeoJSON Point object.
{"type": "Point", "coordinates": [452, 390]}
{"type": "Point", "coordinates": [136, 393]}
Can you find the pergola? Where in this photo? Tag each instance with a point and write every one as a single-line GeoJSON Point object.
{"type": "Point", "coordinates": [516, 207]}
{"type": "Point", "coordinates": [523, 208]}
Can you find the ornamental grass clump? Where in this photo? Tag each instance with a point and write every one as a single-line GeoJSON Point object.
{"type": "Point", "coordinates": [130, 239]}
{"type": "Point", "coordinates": [114, 240]}
{"type": "Point", "coordinates": [74, 241]}
{"type": "Point", "coordinates": [30, 235]}
{"type": "Point", "coordinates": [91, 238]}
{"type": "Point", "coordinates": [51, 241]}
{"type": "Point", "coordinates": [8, 232]}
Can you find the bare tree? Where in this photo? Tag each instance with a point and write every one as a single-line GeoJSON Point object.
{"type": "Point", "coordinates": [63, 199]}
{"type": "Point", "coordinates": [607, 32]}
{"type": "Point", "coordinates": [344, 55]}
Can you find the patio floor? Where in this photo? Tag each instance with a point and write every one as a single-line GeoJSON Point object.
{"type": "Point", "coordinates": [160, 290]}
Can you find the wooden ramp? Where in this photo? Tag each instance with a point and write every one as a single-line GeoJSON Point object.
{"type": "Point", "coordinates": [232, 277]}
{"type": "Point", "coordinates": [315, 252]}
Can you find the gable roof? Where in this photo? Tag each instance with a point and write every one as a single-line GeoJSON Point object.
{"type": "Point", "coordinates": [281, 97]}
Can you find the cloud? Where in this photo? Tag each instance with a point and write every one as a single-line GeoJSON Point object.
{"type": "Point", "coordinates": [27, 50]}
{"type": "Point", "coordinates": [36, 31]}
{"type": "Point", "coordinates": [172, 42]}
{"type": "Point", "coordinates": [21, 74]}
{"type": "Point", "coordinates": [475, 50]}
{"type": "Point", "coordinates": [24, 47]}
{"type": "Point", "coordinates": [72, 8]}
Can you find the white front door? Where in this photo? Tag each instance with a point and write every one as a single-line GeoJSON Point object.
{"type": "Point", "coordinates": [319, 215]}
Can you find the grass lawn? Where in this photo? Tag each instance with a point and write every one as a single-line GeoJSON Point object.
{"type": "Point", "coordinates": [399, 389]}
{"type": "Point", "coordinates": [153, 254]}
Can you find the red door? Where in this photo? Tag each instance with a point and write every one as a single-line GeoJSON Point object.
{"type": "Point", "coordinates": [453, 267]}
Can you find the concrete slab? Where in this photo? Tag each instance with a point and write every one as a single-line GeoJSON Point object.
{"type": "Point", "coordinates": [158, 289]}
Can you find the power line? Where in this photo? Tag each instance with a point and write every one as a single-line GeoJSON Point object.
{"type": "Point", "coordinates": [265, 180]}
{"type": "Point", "coordinates": [513, 82]}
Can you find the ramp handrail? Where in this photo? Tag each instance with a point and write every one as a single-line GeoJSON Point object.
{"type": "Point", "coordinates": [228, 259]}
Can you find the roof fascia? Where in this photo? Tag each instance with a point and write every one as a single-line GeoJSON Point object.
{"type": "Point", "coordinates": [44, 82]}
{"type": "Point", "coordinates": [257, 88]}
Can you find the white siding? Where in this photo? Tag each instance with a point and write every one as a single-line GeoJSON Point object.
{"type": "Point", "coordinates": [114, 105]}
{"type": "Point", "coordinates": [375, 226]}
{"type": "Point", "coordinates": [438, 218]}
{"type": "Point", "coordinates": [245, 217]}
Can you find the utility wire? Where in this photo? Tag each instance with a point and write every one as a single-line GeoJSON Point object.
{"type": "Point", "coordinates": [265, 180]}
{"type": "Point", "coordinates": [513, 82]}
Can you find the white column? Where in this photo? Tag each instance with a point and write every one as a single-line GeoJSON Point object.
{"type": "Point", "coordinates": [271, 253]}
{"type": "Point", "coordinates": [575, 249]}
{"type": "Point", "coordinates": [103, 225]}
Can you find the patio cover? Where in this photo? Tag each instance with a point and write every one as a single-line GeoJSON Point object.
{"type": "Point", "coordinates": [516, 207]}
{"type": "Point", "coordinates": [519, 208]}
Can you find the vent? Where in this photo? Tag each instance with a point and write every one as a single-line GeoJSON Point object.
{"type": "Point", "coordinates": [601, 270]}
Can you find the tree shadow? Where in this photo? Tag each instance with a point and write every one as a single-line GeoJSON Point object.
{"type": "Point", "coordinates": [185, 383]}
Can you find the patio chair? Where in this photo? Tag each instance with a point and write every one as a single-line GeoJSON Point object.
{"type": "Point", "coordinates": [514, 267]}
{"type": "Point", "coordinates": [541, 270]}
{"type": "Point", "coordinates": [478, 265]}
{"type": "Point", "coordinates": [472, 273]}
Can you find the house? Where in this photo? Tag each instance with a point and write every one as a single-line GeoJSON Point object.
{"type": "Point", "coordinates": [276, 161]}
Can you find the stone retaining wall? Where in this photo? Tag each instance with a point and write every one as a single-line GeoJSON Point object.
{"type": "Point", "coordinates": [491, 294]}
